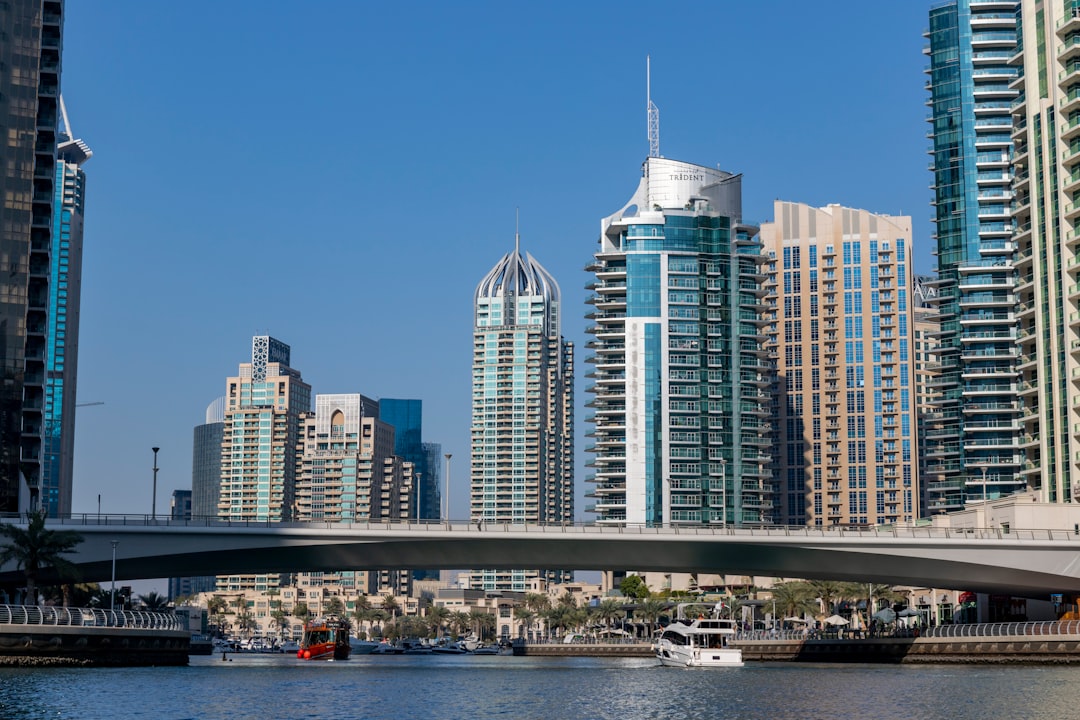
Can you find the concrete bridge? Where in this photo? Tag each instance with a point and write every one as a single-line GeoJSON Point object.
{"type": "Point", "coordinates": [1027, 563]}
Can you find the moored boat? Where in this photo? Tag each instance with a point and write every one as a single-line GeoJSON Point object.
{"type": "Point", "coordinates": [704, 642]}
{"type": "Point", "coordinates": [325, 639]}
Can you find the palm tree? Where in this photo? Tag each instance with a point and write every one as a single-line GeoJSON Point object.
{"type": "Point", "coordinates": [215, 608]}
{"type": "Point", "coordinates": [281, 621]}
{"type": "Point", "coordinates": [794, 598]}
{"type": "Point", "coordinates": [828, 591]}
{"type": "Point", "coordinates": [537, 602]}
{"type": "Point", "coordinates": [459, 621]}
{"type": "Point", "coordinates": [334, 606]}
{"type": "Point", "coordinates": [35, 548]}
{"type": "Point", "coordinates": [154, 601]}
{"type": "Point", "coordinates": [390, 605]}
{"type": "Point", "coordinates": [361, 611]}
{"type": "Point", "coordinates": [525, 617]}
{"type": "Point", "coordinates": [608, 611]}
{"type": "Point", "coordinates": [650, 610]}
{"type": "Point", "coordinates": [301, 611]}
{"type": "Point", "coordinates": [437, 615]}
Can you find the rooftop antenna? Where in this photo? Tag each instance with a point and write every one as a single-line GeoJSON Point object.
{"type": "Point", "coordinates": [653, 112]}
{"type": "Point", "coordinates": [517, 231]}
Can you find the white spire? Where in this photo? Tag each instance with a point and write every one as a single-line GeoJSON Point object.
{"type": "Point", "coordinates": [652, 111]}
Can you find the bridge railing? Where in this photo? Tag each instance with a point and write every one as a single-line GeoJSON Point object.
{"type": "Point", "coordinates": [861, 532]}
{"type": "Point", "coordinates": [87, 617]}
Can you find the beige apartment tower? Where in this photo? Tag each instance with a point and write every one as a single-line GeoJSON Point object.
{"type": "Point", "coordinates": [347, 472]}
{"type": "Point", "coordinates": [263, 403]}
{"type": "Point", "coordinates": [842, 335]}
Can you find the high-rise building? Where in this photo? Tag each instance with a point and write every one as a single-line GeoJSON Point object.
{"type": "Point", "coordinates": [259, 443]}
{"type": "Point", "coordinates": [681, 374]}
{"type": "Point", "coordinates": [846, 393]}
{"type": "Point", "coordinates": [206, 461]}
{"type": "Point", "coordinates": [926, 332]}
{"type": "Point", "coordinates": [522, 420]}
{"type": "Point", "coordinates": [971, 447]}
{"type": "Point", "coordinates": [1046, 185]}
{"type": "Point", "coordinates": [407, 418]}
{"type": "Point", "coordinates": [65, 290]}
{"type": "Point", "coordinates": [347, 472]}
{"type": "Point", "coordinates": [30, 52]}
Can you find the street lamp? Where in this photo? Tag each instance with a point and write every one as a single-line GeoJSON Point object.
{"type": "Point", "coordinates": [153, 501]}
{"type": "Point", "coordinates": [112, 593]}
{"type": "Point", "coordinates": [446, 515]}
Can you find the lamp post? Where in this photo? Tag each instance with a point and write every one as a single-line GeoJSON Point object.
{"type": "Point", "coordinates": [112, 592]}
{"type": "Point", "coordinates": [153, 500]}
{"type": "Point", "coordinates": [446, 515]}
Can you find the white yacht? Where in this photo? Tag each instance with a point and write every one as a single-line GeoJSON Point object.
{"type": "Point", "coordinates": [704, 642]}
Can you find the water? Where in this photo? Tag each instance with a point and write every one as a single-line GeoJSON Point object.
{"type": "Point", "coordinates": [403, 687]}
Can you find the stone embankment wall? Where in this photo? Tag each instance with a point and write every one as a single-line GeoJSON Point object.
{"type": "Point", "coordinates": [583, 649]}
{"type": "Point", "coordinates": [37, 645]}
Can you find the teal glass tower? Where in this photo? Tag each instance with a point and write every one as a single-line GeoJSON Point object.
{"type": "Point", "coordinates": [522, 468]}
{"type": "Point", "coordinates": [681, 375]}
{"type": "Point", "coordinates": [972, 428]}
{"type": "Point", "coordinates": [65, 285]}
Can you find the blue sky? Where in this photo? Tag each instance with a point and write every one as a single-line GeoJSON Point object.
{"type": "Point", "coordinates": [341, 175]}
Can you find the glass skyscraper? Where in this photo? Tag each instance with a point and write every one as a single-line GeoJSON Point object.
{"type": "Point", "coordinates": [522, 419]}
{"type": "Point", "coordinates": [65, 289]}
{"type": "Point", "coordinates": [680, 397]}
{"type": "Point", "coordinates": [407, 418]}
{"type": "Point", "coordinates": [972, 425]}
{"type": "Point", "coordinates": [30, 53]}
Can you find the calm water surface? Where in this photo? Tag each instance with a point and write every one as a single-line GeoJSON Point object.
{"type": "Point", "coordinates": [399, 687]}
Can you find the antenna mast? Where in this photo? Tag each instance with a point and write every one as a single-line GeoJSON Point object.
{"type": "Point", "coordinates": [653, 112]}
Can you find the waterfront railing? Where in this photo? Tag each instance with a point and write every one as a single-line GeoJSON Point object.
{"type": "Point", "coordinates": [763, 531]}
{"type": "Point", "coordinates": [47, 615]}
{"type": "Point", "coordinates": [970, 630]}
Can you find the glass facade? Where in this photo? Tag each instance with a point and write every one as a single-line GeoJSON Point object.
{"type": "Point", "coordinates": [972, 424]}
{"type": "Point", "coordinates": [679, 400]}
{"type": "Point", "coordinates": [522, 419]}
{"type": "Point", "coordinates": [65, 281]}
{"type": "Point", "coordinates": [407, 418]}
{"type": "Point", "coordinates": [29, 101]}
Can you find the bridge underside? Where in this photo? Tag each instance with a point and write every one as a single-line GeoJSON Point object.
{"type": "Point", "coordinates": [1027, 568]}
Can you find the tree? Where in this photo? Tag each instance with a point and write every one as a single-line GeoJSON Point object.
{"type": "Point", "coordinates": [632, 586]}
{"type": "Point", "coordinates": [537, 602]}
{"type": "Point", "coordinates": [795, 598]}
{"type": "Point", "coordinates": [437, 615]}
{"type": "Point", "coordinates": [525, 617]}
{"type": "Point", "coordinates": [608, 611]}
{"type": "Point", "coordinates": [334, 606]}
{"type": "Point", "coordinates": [650, 611]}
{"type": "Point", "coordinates": [361, 611]}
{"type": "Point", "coordinates": [828, 591]}
{"type": "Point", "coordinates": [281, 621]}
{"type": "Point", "coordinates": [390, 605]}
{"type": "Point", "coordinates": [459, 621]}
{"type": "Point", "coordinates": [154, 601]}
{"type": "Point", "coordinates": [216, 608]}
{"type": "Point", "coordinates": [301, 611]}
{"type": "Point", "coordinates": [36, 548]}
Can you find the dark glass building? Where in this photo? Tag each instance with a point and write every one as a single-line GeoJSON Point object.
{"type": "Point", "coordinates": [30, 50]}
